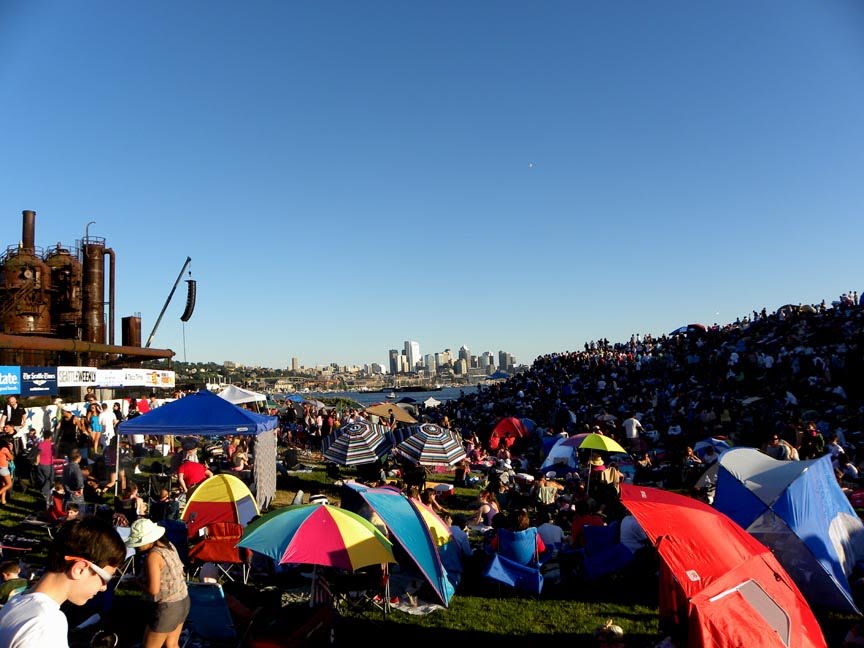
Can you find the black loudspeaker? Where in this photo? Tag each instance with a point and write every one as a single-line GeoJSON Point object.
{"type": "Point", "coordinates": [190, 299]}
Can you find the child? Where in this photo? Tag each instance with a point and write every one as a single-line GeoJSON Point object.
{"type": "Point", "coordinates": [81, 562]}
{"type": "Point", "coordinates": [10, 572]}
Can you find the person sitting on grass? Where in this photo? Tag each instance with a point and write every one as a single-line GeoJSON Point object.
{"type": "Point", "coordinates": [10, 572]}
{"type": "Point", "coordinates": [82, 560]}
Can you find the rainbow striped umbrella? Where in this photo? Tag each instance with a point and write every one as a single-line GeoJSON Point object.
{"type": "Point", "coordinates": [356, 443]}
{"type": "Point", "coordinates": [431, 445]}
{"type": "Point", "coordinates": [318, 534]}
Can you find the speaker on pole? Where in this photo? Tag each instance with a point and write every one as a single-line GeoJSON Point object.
{"type": "Point", "coordinates": [191, 289]}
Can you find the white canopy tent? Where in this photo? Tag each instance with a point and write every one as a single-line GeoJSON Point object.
{"type": "Point", "coordinates": [237, 395]}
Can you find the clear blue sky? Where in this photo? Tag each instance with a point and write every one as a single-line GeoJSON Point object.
{"type": "Point", "coordinates": [522, 176]}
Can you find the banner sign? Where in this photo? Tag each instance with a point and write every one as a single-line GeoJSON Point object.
{"type": "Point", "coordinates": [164, 379]}
{"type": "Point", "coordinates": [38, 381]}
{"type": "Point", "coordinates": [76, 376]}
{"type": "Point", "coordinates": [10, 380]}
{"type": "Point", "coordinates": [111, 378]}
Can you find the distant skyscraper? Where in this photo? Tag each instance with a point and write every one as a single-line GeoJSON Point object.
{"type": "Point", "coordinates": [412, 353]}
{"type": "Point", "coordinates": [505, 361]}
{"type": "Point", "coordinates": [394, 361]}
{"type": "Point", "coordinates": [461, 367]}
{"type": "Point", "coordinates": [465, 354]}
{"type": "Point", "coordinates": [430, 363]}
{"type": "Point", "coordinates": [486, 361]}
{"type": "Point", "coordinates": [295, 363]}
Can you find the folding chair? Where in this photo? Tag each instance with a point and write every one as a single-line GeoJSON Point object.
{"type": "Point", "coordinates": [348, 591]}
{"type": "Point", "coordinates": [604, 554]}
{"type": "Point", "coordinates": [219, 546]}
{"type": "Point", "coordinates": [516, 563]}
{"type": "Point", "coordinates": [209, 617]}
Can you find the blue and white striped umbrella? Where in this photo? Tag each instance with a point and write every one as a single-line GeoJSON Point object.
{"type": "Point", "coordinates": [431, 445]}
{"type": "Point", "coordinates": [356, 443]}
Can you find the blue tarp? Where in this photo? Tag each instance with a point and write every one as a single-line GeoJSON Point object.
{"type": "Point", "coordinates": [796, 509]}
{"type": "Point", "coordinates": [407, 528]}
{"type": "Point", "coordinates": [202, 414]}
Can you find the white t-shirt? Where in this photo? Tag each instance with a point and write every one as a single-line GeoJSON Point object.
{"type": "Point", "coordinates": [107, 419]}
{"type": "Point", "coordinates": [631, 428]}
{"type": "Point", "coordinates": [33, 621]}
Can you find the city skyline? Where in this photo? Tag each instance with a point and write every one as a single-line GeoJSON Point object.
{"type": "Point", "coordinates": [514, 176]}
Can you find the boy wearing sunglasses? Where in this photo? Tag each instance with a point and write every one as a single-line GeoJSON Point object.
{"type": "Point", "coordinates": [81, 562]}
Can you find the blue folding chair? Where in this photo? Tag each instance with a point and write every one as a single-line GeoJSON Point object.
{"type": "Point", "coordinates": [603, 553]}
{"type": "Point", "coordinates": [209, 617]}
{"type": "Point", "coordinates": [516, 563]}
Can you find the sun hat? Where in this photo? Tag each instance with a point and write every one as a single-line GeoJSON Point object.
{"type": "Point", "coordinates": [596, 460]}
{"type": "Point", "coordinates": [144, 532]}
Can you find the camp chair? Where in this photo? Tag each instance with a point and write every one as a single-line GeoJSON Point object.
{"type": "Point", "coordinates": [603, 553]}
{"type": "Point", "coordinates": [219, 546]}
{"type": "Point", "coordinates": [352, 591]}
{"type": "Point", "coordinates": [209, 617]}
{"type": "Point", "coordinates": [516, 563]}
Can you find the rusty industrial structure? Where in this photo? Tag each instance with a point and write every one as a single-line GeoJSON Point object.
{"type": "Point", "coordinates": [52, 306]}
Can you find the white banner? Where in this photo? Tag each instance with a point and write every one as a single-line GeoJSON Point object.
{"type": "Point", "coordinates": [110, 377]}
{"type": "Point", "coordinates": [76, 376]}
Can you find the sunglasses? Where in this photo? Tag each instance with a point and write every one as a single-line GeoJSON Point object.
{"type": "Point", "coordinates": [99, 571]}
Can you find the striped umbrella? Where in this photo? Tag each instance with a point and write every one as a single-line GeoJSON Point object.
{"type": "Point", "coordinates": [431, 445]}
{"type": "Point", "coordinates": [356, 443]}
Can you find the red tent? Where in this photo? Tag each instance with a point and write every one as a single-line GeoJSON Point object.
{"type": "Point", "coordinates": [508, 430]}
{"type": "Point", "coordinates": [718, 579]}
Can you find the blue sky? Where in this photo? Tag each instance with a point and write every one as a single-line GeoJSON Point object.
{"type": "Point", "coordinates": [505, 175]}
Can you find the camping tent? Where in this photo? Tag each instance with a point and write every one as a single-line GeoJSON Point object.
{"type": "Point", "coordinates": [507, 430]}
{"type": "Point", "coordinates": [559, 456]}
{"type": "Point", "coordinates": [205, 414]}
{"type": "Point", "coordinates": [238, 395]}
{"type": "Point", "coordinates": [798, 509]}
{"type": "Point", "coordinates": [407, 529]}
{"type": "Point", "coordinates": [728, 588]}
{"type": "Point", "coordinates": [220, 498]}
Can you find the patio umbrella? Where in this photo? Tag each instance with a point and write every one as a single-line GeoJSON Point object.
{"type": "Point", "coordinates": [318, 534]}
{"type": "Point", "coordinates": [431, 445]}
{"type": "Point", "coordinates": [596, 441]}
{"type": "Point", "coordinates": [383, 410]}
{"type": "Point", "coordinates": [719, 444]}
{"type": "Point", "coordinates": [356, 443]}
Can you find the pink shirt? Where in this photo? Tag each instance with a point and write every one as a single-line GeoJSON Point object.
{"type": "Point", "coordinates": [46, 453]}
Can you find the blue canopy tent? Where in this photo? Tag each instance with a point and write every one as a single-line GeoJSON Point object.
{"type": "Point", "coordinates": [206, 414]}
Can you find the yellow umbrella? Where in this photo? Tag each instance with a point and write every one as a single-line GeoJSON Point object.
{"type": "Point", "coordinates": [601, 442]}
{"type": "Point", "coordinates": [383, 410]}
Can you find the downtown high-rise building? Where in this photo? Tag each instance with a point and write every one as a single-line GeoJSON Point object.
{"type": "Point", "coordinates": [295, 363]}
{"type": "Point", "coordinates": [393, 356]}
{"type": "Point", "coordinates": [412, 354]}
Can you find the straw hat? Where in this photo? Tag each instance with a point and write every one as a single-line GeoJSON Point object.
{"type": "Point", "coordinates": [143, 532]}
{"type": "Point", "coordinates": [596, 460]}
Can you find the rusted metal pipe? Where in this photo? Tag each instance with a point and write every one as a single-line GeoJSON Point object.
{"type": "Point", "coordinates": [112, 258]}
{"type": "Point", "coordinates": [36, 343]}
{"type": "Point", "coordinates": [28, 231]}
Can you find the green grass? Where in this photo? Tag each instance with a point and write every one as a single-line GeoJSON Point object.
{"type": "Point", "coordinates": [480, 612]}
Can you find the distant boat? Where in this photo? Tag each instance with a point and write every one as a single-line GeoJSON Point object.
{"type": "Point", "coordinates": [391, 395]}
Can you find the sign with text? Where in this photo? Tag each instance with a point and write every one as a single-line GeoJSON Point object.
{"type": "Point", "coordinates": [10, 380]}
{"type": "Point", "coordinates": [76, 377]}
{"type": "Point", "coordinates": [111, 377]}
{"type": "Point", "coordinates": [38, 381]}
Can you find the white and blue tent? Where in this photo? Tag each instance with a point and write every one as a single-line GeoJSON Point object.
{"type": "Point", "coordinates": [796, 509]}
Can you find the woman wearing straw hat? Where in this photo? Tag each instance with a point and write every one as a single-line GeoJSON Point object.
{"type": "Point", "coordinates": [164, 584]}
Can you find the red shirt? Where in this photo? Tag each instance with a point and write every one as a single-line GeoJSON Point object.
{"type": "Point", "coordinates": [192, 472]}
